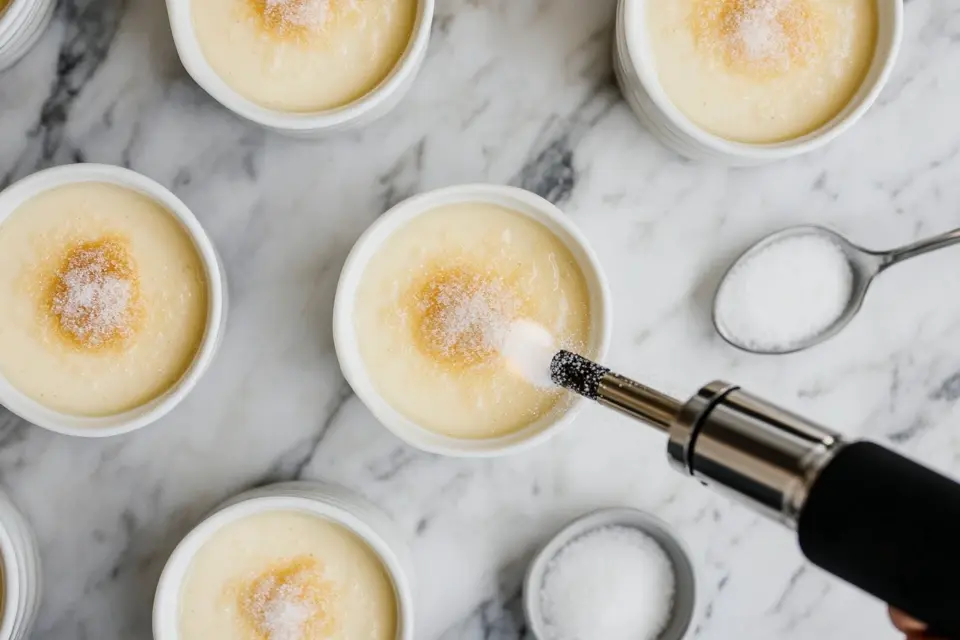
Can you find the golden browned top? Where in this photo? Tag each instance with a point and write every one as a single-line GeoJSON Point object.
{"type": "Point", "coordinates": [94, 294]}
{"type": "Point", "coordinates": [298, 20]}
{"type": "Point", "coordinates": [758, 37]}
{"type": "Point", "coordinates": [461, 314]}
{"type": "Point", "coordinates": [290, 599]}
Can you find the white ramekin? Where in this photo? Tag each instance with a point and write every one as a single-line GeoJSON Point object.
{"type": "Point", "coordinates": [346, 340]}
{"type": "Point", "coordinates": [27, 408]}
{"type": "Point", "coordinates": [21, 25]}
{"type": "Point", "coordinates": [20, 578]}
{"type": "Point", "coordinates": [637, 76]}
{"type": "Point", "coordinates": [376, 103]}
{"type": "Point", "coordinates": [327, 501]}
{"type": "Point", "coordinates": [684, 572]}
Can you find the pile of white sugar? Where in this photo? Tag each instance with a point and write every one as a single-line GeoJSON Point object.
{"type": "Point", "coordinates": [306, 14]}
{"type": "Point", "coordinates": [783, 294]}
{"type": "Point", "coordinates": [93, 305]}
{"type": "Point", "coordinates": [759, 31]}
{"type": "Point", "coordinates": [613, 583]}
{"type": "Point", "coordinates": [285, 614]}
{"type": "Point", "coordinates": [94, 293]}
{"type": "Point", "coordinates": [767, 36]}
{"type": "Point", "coordinates": [465, 315]}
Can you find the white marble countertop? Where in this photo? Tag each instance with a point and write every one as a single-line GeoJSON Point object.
{"type": "Point", "coordinates": [513, 91]}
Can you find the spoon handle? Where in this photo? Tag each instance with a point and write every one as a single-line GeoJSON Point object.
{"type": "Point", "coordinates": [914, 249]}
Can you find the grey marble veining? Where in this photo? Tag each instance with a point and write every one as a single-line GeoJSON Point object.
{"type": "Point", "coordinates": [519, 92]}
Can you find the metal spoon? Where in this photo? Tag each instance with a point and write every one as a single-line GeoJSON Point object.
{"type": "Point", "coordinates": [865, 265]}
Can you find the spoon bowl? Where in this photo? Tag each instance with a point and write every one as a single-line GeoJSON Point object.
{"type": "Point", "coordinates": [864, 266]}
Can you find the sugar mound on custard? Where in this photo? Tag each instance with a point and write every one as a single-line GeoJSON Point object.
{"type": "Point", "coordinates": [290, 601]}
{"type": "Point", "coordinates": [759, 37]}
{"type": "Point", "coordinates": [94, 295]}
{"type": "Point", "coordinates": [309, 16]}
{"type": "Point", "coordinates": [463, 315]}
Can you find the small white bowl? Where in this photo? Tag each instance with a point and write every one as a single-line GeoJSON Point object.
{"type": "Point", "coordinates": [373, 105]}
{"type": "Point", "coordinates": [20, 579]}
{"type": "Point", "coordinates": [96, 427]}
{"type": "Point", "coordinates": [636, 74]}
{"type": "Point", "coordinates": [327, 501]}
{"type": "Point", "coordinates": [685, 588]}
{"type": "Point", "coordinates": [347, 343]}
{"type": "Point", "coordinates": [21, 25]}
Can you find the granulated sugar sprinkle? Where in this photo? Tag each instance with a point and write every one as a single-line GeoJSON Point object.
{"type": "Point", "coordinates": [310, 15]}
{"type": "Point", "coordinates": [94, 293]}
{"type": "Point", "coordinates": [758, 30]}
{"type": "Point", "coordinates": [283, 615]}
{"type": "Point", "coordinates": [759, 35]}
{"type": "Point", "coordinates": [290, 602]}
{"type": "Point", "coordinates": [464, 315]}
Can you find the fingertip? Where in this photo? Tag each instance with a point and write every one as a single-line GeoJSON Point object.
{"type": "Point", "coordinates": [912, 627]}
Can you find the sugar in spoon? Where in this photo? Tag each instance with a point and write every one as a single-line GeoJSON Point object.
{"type": "Point", "coordinates": [823, 285]}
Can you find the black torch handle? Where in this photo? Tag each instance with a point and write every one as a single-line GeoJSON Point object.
{"type": "Point", "coordinates": [891, 527]}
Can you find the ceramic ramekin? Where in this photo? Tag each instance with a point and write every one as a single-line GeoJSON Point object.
{"type": "Point", "coordinates": [685, 586]}
{"type": "Point", "coordinates": [327, 501]}
{"type": "Point", "coordinates": [376, 103]}
{"type": "Point", "coordinates": [21, 25]}
{"type": "Point", "coordinates": [93, 427]}
{"type": "Point", "coordinates": [19, 574]}
{"type": "Point", "coordinates": [637, 76]}
{"type": "Point", "coordinates": [347, 341]}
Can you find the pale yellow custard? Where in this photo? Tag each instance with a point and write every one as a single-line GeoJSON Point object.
{"type": "Point", "coordinates": [761, 71]}
{"type": "Point", "coordinates": [286, 575]}
{"type": "Point", "coordinates": [437, 296]}
{"type": "Point", "coordinates": [303, 55]}
{"type": "Point", "coordinates": [104, 299]}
